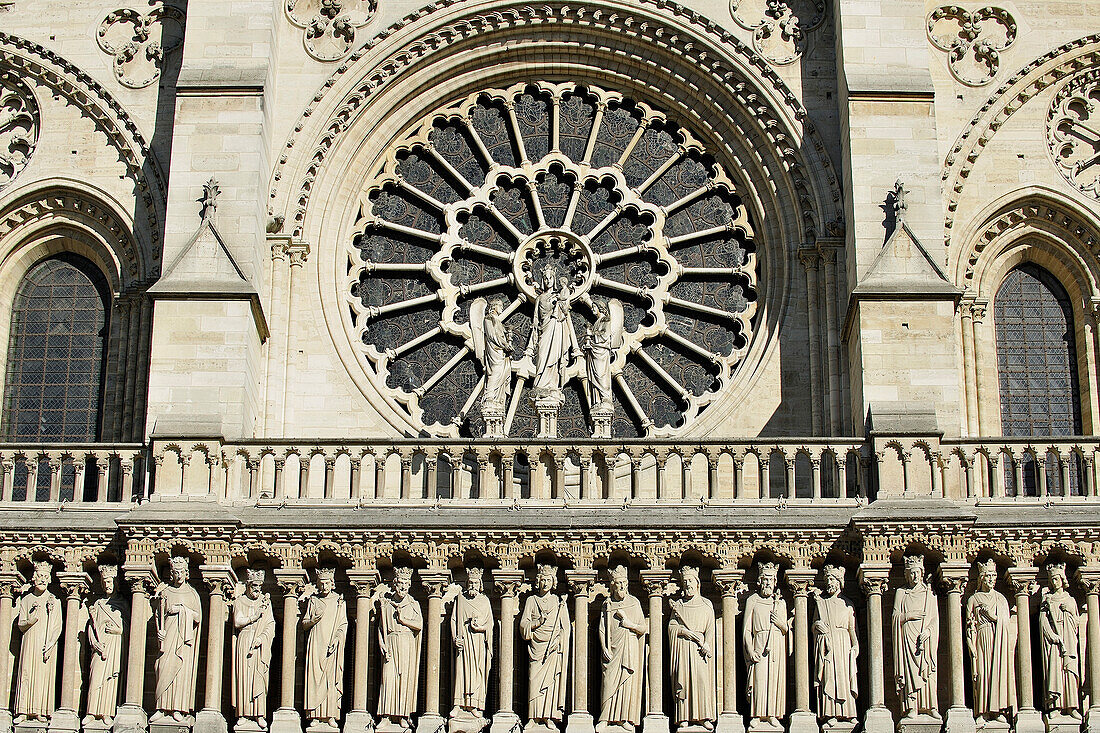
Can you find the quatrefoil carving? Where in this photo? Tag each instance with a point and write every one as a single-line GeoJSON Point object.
{"type": "Point", "coordinates": [973, 41]}
{"type": "Point", "coordinates": [139, 42]}
{"type": "Point", "coordinates": [329, 25]}
{"type": "Point", "coordinates": [779, 27]}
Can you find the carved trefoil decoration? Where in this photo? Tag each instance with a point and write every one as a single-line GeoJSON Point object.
{"type": "Point", "coordinates": [19, 125]}
{"type": "Point", "coordinates": [551, 260]}
{"type": "Point", "coordinates": [779, 28]}
{"type": "Point", "coordinates": [973, 40]}
{"type": "Point", "coordinates": [329, 25]}
{"type": "Point", "coordinates": [140, 42]}
{"type": "Point", "coordinates": [1073, 132]}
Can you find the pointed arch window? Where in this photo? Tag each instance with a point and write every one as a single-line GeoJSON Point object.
{"type": "Point", "coordinates": [1037, 367]}
{"type": "Point", "coordinates": [55, 368]}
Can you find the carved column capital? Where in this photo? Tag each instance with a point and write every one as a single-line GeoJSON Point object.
{"type": "Point", "coordinates": [580, 581]}
{"type": "Point", "coordinates": [800, 580]}
{"type": "Point", "coordinates": [510, 583]}
{"type": "Point", "coordinates": [220, 580]}
{"type": "Point", "coordinates": [953, 576]}
{"type": "Point", "coordinates": [1023, 580]}
{"type": "Point", "coordinates": [874, 579]}
{"type": "Point", "coordinates": [656, 581]}
{"type": "Point", "coordinates": [9, 585]}
{"type": "Point", "coordinates": [436, 581]}
{"type": "Point", "coordinates": [298, 252]}
{"type": "Point", "coordinates": [1088, 576]}
{"type": "Point", "coordinates": [141, 578]}
{"type": "Point", "coordinates": [731, 581]}
{"type": "Point", "coordinates": [291, 581]}
{"type": "Point", "coordinates": [364, 581]}
{"type": "Point", "coordinates": [74, 583]}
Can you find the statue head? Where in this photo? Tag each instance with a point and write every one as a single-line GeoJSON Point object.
{"type": "Point", "coordinates": [689, 581]}
{"type": "Point", "coordinates": [326, 580]}
{"type": "Point", "coordinates": [767, 576]}
{"type": "Point", "coordinates": [253, 582]}
{"type": "Point", "coordinates": [1056, 576]}
{"type": "Point", "coordinates": [563, 284]}
{"type": "Point", "coordinates": [548, 274]}
{"type": "Point", "coordinates": [178, 570]}
{"type": "Point", "coordinates": [475, 580]}
{"type": "Point", "coordinates": [620, 582]}
{"type": "Point", "coordinates": [108, 575]}
{"type": "Point", "coordinates": [497, 305]}
{"type": "Point", "coordinates": [546, 578]}
{"type": "Point", "coordinates": [41, 575]}
{"type": "Point", "coordinates": [402, 582]}
{"type": "Point", "coordinates": [599, 306]}
{"type": "Point", "coordinates": [914, 569]}
{"type": "Point", "coordinates": [987, 574]}
{"type": "Point", "coordinates": [834, 579]}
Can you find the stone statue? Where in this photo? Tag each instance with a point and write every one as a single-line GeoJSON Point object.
{"type": "Point", "coordinates": [472, 634]}
{"type": "Point", "coordinates": [623, 630]}
{"type": "Point", "coordinates": [603, 338]}
{"type": "Point", "coordinates": [544, 624]}
{"type": "Point", "coordinates": [1062, 637]}
{"type": "Point", "coordinates": [836, 647]}
{"type": "Point", "coordinates": [989, 640]}
{"type": "Point", "coordinates": [178, 618]}
{"type": "Point", "coordinates": [493, 346]}
{"type": "Point", "coordinates": [692, 668]}
{"type": "Point", "coordinates": [916, 635]}
{"type": "Point", "coordinates": [39, 620]}
{"type": "Point", "coordinates": [254, 631]}
{"type": "Point", "coordinates": [764, 635]}
{"type": "Point", "coordinates": [554, 342]}
{"type": "Point", "coordinates": [106, 625]}
{"type": "Point", "coordinates": [325, 621]}
{"type": "Point", "coordinates": [399, 624]}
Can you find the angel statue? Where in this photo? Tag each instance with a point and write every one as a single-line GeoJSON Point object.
{"type": "Point", "coordinates": [493, 346]}
{"type": "Point", "coordinates": [600, 342]}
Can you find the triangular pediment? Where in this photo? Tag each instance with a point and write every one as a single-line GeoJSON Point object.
{"type": "Point", "coordinates": [904, 268]}
{"type": "Point", "coordinates": [204, 266]}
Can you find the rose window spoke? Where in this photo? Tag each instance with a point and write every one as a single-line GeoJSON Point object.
{"type": "Point", "coordinates": [552, 260]}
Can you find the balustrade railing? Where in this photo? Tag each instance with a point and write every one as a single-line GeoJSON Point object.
{"type": "Point", "coordinates": [1021, 468]}
{"type": "Point", "coordinates": [91, 473]}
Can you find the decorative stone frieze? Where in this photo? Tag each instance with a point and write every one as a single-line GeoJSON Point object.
{"type": "Point", "coordinates": [779, 28]}
{"type": "Point", "coordinates": [973, 40]}
{"type": "Point", "coordinates": [140, 42]}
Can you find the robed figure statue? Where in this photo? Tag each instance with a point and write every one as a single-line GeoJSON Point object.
{"type": "Point", "coordinates": [990, 638]}
{"type": "Point", "coordinates": [544, 624]}
{"type": "Point", "coordinates": [916, 635]}
{"type": "Point", "coordinates": [325, 621]}
{"type": "Point", "coordinates": [1062, 637]}
{"type": "Point", "coordinates": [38, 618]}
{"type": "Point", "coordinates": [400, 622]}
{"type": "Point", "coordinates": [836, 647]}
{"type": "Point", "coordinates": [472, 636]}
{"type": "Point", "coordinates": [691, 635]}
{"type": "Point", "coordinates": [623, 630]}
{"type": "Point", "coordinates": [764, 635]}
{"type": "Point", "coordinates": [178, 618]}
{"type": "Point", "coordinates": [254, 632]}
{"type": "Point", "coordinates": [104, 632]}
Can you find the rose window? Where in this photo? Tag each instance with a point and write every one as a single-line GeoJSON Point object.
{"type": "Point", "coordinates": [1073, 132]}
{"type": "Point", "coordinates": [551, 260]}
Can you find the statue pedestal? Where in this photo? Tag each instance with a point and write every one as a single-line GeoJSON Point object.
{"type": "Point", "coordinates": [1092, 720]}
{"type": "Point", "coordinates": [580, 722]}
{"type": "Point", "coordinates": [505, 723]}
{"type": "Point", "coordinates": [358, 721]}
{"type": "Point", "coordinates": [286, 720]}
{"type": "Point", "coordinates": [759, 725]}
{"type": "Point", "coordinates": [426, 723]}
{"type": "Point", "coordinates": [547, 408]}
{"type": "Point", "coordinates": [804, 722]}
{"type": "Point", "coordinates": [168, 725]}
{"type": "Point", "coordinates": [655, 723]}
{"type": "Point", "coordinates": [494, 421]}
{"type": "Point", "coordinates": [1031, 721]}
{"type": "Point", "coordinates": [318, 726]}
{"type": "Point", "coordinates": [210, 721]}
{"type": "Point", "coordinates": [538, 727]}
{"type": "Point", "coordinates": [924, 724]}
{"type": "Point", "coordinates": [466, 721]}
{"type": "Point", "coordinates": [992, 726]}
{"type": "Point", "coordinates": [601, 421]}
{"type": "Point", "coordinates": [64, 721]}
{"type": "Point", "coordinates": [248, 725]}
{"type": "Point", "coordinates": [1056, 723]}
{"type": "Point", "coordinates": [130, 719]}
{"type": "Point", "coordinates": [32, 726]}
{"type": "Point", "coordinates": [5, 721]}
{"type": "Point", "coordinates": [960, 720]}
{"type": "Point", "coordinates": [730, 723]}
{"type": "Point", "coordinates": [878, 720]}
{"type": "Point", "coordinates": [838, 726]}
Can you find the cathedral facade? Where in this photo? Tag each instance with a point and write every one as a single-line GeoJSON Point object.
{"type": "Point", "coordinates": [626, 366]}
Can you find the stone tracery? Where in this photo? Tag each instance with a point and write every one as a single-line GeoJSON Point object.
{"type": "Point", "coordinates": [19, 121]}
{"type": "Point", "coordinates": [508, 190]}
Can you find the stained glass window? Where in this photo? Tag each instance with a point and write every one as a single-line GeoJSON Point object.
{"type": "Point", "coordinates": [56, 353]}
{"type": "Point", "coordinates": [1037, 363]}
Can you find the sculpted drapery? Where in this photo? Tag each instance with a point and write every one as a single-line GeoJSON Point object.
{"type": "Point", "coordinates": [400, 622]}
{"type": "Point", "coordinates": [555, 341]}
{"type": "Point", "coordinates": [623, 630]}
{"type": "Point", "coordinates": [106, 625]}
{"type": "Point", "coordinates": [836, 647]}
{"type": "Point", "coordinates": [544, 624]}
{"type": "Point", "coordinates": [38, 618]}
{"type": "Point", "coordinates": [178, 618]}
{"type": "Point", "coordinates": [325, 621]}
{"type": "Point", "coordinates": [764, 637]}
{"type": "Point", "coordinates": [916, 634]}
{"type": "Point", "coordinates": [691, 634]}
{"type": "Point", "coordinates": [989, 637]}
{"type": "Point", "coordinates": [472, 632]}
{"type": "Point", "coordinates": [1061, 635]}
{"type": "Point", "coordinates": [254, 626]}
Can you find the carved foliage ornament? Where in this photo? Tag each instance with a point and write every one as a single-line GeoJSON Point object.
{"type": "Point", "coordinates": [19, 122]}
{"type": "Point", "coordinates": [1073, 131]}
{"type": "Point", "coordinates": [139, 42]}
{"type": "Point", "coordinates": [779, 27]}
{"type": "Point", "coordinates": [562, 200]}
{"type": "Point", "coordinates": [329, 25]}
{"type": "Point", "coordinates": [973, 40]}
